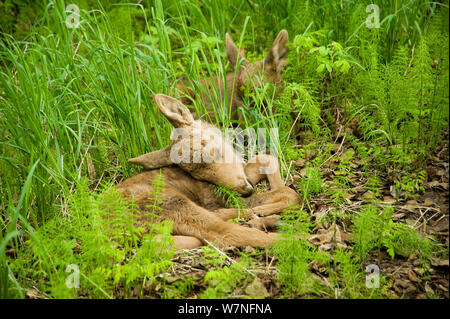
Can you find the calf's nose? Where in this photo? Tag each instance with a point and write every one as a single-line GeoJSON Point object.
{"type": "Point", "coordinates": [248, 188]}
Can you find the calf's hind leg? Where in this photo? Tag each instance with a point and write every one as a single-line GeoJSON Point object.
{"type": "Point", "coordinates": [208, 227]}
{"type": "Point", "coordinates": [182, 242]}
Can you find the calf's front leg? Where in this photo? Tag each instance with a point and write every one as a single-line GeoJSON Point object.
{"type": "Point", "coordinates": [267, 203]}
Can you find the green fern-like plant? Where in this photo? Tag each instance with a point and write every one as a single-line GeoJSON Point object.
{"type": "Point", "coordinates": [231, 198]}
{"type": "Point", "coordinates": [221, 281]}
{"type": "Point", "coordinates": [412, 184]}
{"type": "Point", "coordinates": [377, 230]}
{"type": "Point", "coordinates": [311, 183]}
{"type": "Point", "coordinates": [102, 238]}
{"type": "Point", "coordinates": [155, 196]}
{"type": "Point", "coordinates": [299, 100]}
{"type": "Point", "coordinates": [294, 254]}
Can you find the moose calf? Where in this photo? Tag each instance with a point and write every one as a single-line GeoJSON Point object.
{"type": "Point", "coordinates": [189, 201]}
{"type": "Point", "coordinates": [244, 74]}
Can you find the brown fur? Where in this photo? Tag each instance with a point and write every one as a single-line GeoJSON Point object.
{"type": "Point", "coordinates": [198, 215]}
{"type": "Point", "coordinates": [244, 73]}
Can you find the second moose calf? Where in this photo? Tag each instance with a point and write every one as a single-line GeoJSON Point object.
{"type": "Point", "coordinates": [245, 73]}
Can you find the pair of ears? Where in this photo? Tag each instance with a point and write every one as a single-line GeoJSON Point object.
{"type": "Point", "coordinates": [275, 58]}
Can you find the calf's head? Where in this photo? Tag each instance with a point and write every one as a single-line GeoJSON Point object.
{"type": "Point", "coordinates": [260, 72]}
{"type": "Point", "coordinates": [198, 148]}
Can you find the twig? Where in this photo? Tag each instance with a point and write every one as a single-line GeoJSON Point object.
{"type": "Point", "coordinates": [229, 258]}
{"type": "Point", "coordinates": [421, 216]}
{"type": "Point", "coordinates": [288, 171]}
{"type": "Point", "coordinates": [343, 140]}
{"type": "Point", "coordinates": [300, 112]}
{"type": "Point", "coordinates": [268, 267]}
{"type": "Point", "coordinates": [401, 266]}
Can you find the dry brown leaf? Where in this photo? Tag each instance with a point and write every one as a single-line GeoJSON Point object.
{"type": "Point", "coordinates": [440, 172]}
{"type": "Point", "coordinates": [412, 276]}
{"type": "Point", "coordinates": [367, 195]}
{"type": "Point", "coordinates": [300, 163]}
{"type": "Point", "coordinates": [326, 247]}
{"type": "Point", "coordinates": [257, 289]}
{"type": "Point", "coordinates": [347, 237]}
{"type": "Point", "coordinates": [321, 237]}
{"type": "Point", "coordinates": [428, 289]}
{"type": "Point", "coordinates": [436, 262]}
{"type": "Point", "coordinates": [33, 294]}
{"type": "Point", "coordinates": [318, 266]}
{"type": "Point", "coordinates": [296, 178]}
{"type": "Point", "coordinates": [171, 279]}
{"type": "Point", "coordinates": [428, 202]}
{"type": "Point", "coordinates": [442, 288]}
{"type": "Point", "coordinates": [91, 168]}
{"type": "Point", "coordinates": [401, 286]}
{"type": "Point", "coordinates": [435, 184]}
{"type": "Point", "coordinates": [419, 271]}
{"type": "Point", "coordinates": [327, 237]}
{"type": "Point", "coordinates": [389, 199]}
{"type": "Point", "coordinates": [411, 205]}
{"type": "Point", "coordinates": [321, 213]}
{"type": "Point", "coordinates": [398, 216]}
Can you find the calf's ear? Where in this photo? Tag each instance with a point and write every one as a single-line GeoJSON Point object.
{"type": "Point", "coordinates": [278, 52]}
{"type": "Point", "coordinates": [175, 111]}
{"type": "Point", "coordinates": [233, 54]}
{"type": "Point", "coordinates": [156, 159]}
